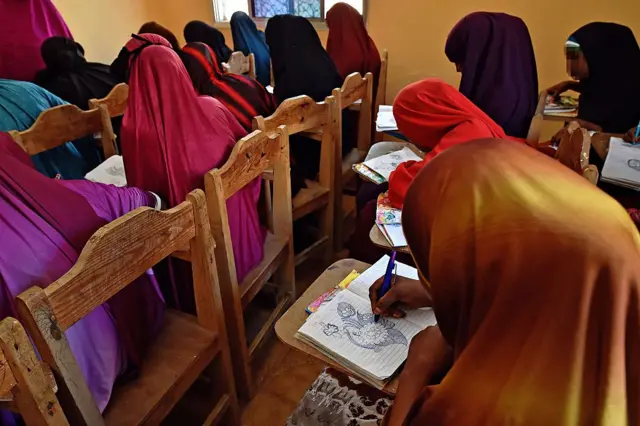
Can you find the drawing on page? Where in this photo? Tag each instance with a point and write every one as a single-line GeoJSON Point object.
{"type": "Point", "coordinates": [362, 330]}
{"type": "Point", "coordinates": [634, 164]}
{"type": "Point", "coordinates": [115, 170]}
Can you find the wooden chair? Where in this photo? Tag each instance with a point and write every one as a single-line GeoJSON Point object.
{"type": "Point", "coordinates": [573, 152]}
{"type": "Point", "coordinates": [318, 121]}
{"type": "Point", "coordinates": [115, 101]}
{"type": "Point", "coordinates": [250, 158]}
{"type": "Point", "coordinates": [26, 385]}
{"type": "Point", "coordinates": [355, 88]}
{"type": "Point", "coordinates": [535, 129]}
{"type": "Point", "coordinates": [114, 257]}
{"type": "Point", "coordinates": [381, 93]}
{"type": "Point", "coordinates": [59, 125]}
{"type": "Point", "coordinates": [240, 64]}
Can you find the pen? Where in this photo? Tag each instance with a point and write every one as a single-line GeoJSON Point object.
{"type": "Point", "coordinates": [635, 140]}
{"type": "Point", "coordinates": [389, 278]}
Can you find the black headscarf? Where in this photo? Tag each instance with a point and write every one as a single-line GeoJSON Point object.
{"type": "Point", "coordinates": [301, 66]}
{"type": "Point", "coordinates": [155, 28]}
{"type": "Point", "coordinates": [610, 96]}
{"type": "Point", "coordinates": [198, 31]}
{"type": "Point", "coordinates": [69, 75]}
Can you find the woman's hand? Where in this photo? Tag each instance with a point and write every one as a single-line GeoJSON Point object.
{"type": "Point", "coordinates": [630, 136]}
{"type": "Point", "coordinates": [406, 291]}
{"type": "Point", "coordinates": [563, 86]}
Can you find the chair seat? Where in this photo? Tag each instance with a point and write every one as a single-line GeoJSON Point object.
{"type": "Point", "coordinates": [309, 199]}
{"type": "Point", "coordinates": [175, 360]}
{"type": "Point", "coordinates": [274, 251]}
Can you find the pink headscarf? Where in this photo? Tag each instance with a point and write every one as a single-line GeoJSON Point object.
{"type": "Point", "coordinates": [24, 25]}
{"type": "Point", "coordinates": [171, 138]}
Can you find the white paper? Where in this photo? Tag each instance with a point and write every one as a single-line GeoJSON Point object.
{"type": "Point", "coordinates": [385, 120]}
{"type": "Point", "coordinates": [386, 164]}
{"type": "Point", "coordinates": [345, 329]}
{"type": "Point", "coordinates": [622, 164]}
{"type": "Point", "coordinates": [269, 89]}
{"type": "Point", "coordinates": [396, 235]}
{"type": "Point", "coordinates": [111, 171]}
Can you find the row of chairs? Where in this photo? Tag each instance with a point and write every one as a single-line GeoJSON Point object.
{"type": "Point", "coordinates": [122, 250]}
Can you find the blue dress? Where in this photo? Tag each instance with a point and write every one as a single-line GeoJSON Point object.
{"type": "Point", "coordinates": [248, 39]}
{"type": "Point", "coordinates": [20, 105]}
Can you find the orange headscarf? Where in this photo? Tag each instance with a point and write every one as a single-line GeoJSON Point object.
{"type": "Point", "coordinates": [435, 116]}
{"type": "Point", "coordinates": [535, 280]}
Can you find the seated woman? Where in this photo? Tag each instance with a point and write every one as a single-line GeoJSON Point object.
{"type": "Point", "coordinates": [171, 138]}
{"type": "Point", "coordinates": [537, 297]}
{"type": "Point", "coordinates": [20, 105]}
{"type": "Point", "coordinates": [301, 66]}
{"type": "Point", "coordinates": [494, 53]}
{"type": "Point", "coordinates": [349, 43]}
{"type": "Point", "coordinates": [602, 59]}
{"type": "Point", "coordinates": [24, 25]}
{"type": "Point", "coordinates": [247, 38]}
{"type": "Point", "coordinates": [199, 32]}
{"type": "Point", "coordinates": [45, 224]}
{"type": "Point", "coordinates": [242, 95]}
{"type": "Point", "coordinates": [153, 27]}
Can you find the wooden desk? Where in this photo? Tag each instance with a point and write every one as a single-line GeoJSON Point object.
{"type": "Point", "coordinates": [378, 239]}
{"type": "Point", "coordinates": [292, 320]}
{"type": "Point", "coordinates": [560, 116]}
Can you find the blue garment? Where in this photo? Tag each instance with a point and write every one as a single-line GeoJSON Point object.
{"type": "Point", "coordinates": [248, 39]}
{"type": "Point", "coordinates": [20, 105]}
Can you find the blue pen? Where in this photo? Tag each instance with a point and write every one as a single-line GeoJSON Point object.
{"type": "Point", "coordinates": [635, 140]}
{"type": "Point", "coordinates": [388, 279]}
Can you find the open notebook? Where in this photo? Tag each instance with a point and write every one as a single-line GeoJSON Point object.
{"type": "Point", "coordinates": [110, 171]}
{"type": "Point", "coordinates": [344, 330]}
{"type": "Point", "coordinates": [379, 169]}
{"type": "Point", "coordinates": [622, 166]}
{"type": "Point", "coordinates": [385, 120]}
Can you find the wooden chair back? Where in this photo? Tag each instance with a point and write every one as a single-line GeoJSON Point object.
{"type": "Point", "coordinates": [317, 121]}
{"type": "Point", "coordinates": [535, 129]}
{"type": "Point", "coordinates": [115, 101]}
{"type": "Point", "coordinates": [241, 64]}
{"type": "Point", "coordinates": [573, 152]}
{"type": "Point", "coordinates": [251, 157]}
{"type": "Point", "coordinates": [381, 92]}
{"type": "Point", "coordinates": [114, 257]}
{"type": "Point", "coordinates": [59, 125]}
{"type": "Point", "coordinates": [26, 385]}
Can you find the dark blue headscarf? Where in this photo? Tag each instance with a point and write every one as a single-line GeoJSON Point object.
{"type": "Point", "coordinates": [247, 38]}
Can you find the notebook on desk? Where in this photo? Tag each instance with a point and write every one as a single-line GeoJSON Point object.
{"type": "Point", "coordinates": [111, 172]}
{"type": "Point", "coordinates": [379, 169]}
{"type": "Point", "coordinates": [622, 166]}
{"type": "Point", "coordinates": [385, 121]}
{"type": "Point", "coordinates": [344, 329]}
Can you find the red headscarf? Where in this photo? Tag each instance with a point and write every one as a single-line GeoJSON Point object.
{"type": "Point", "coordinates": [349, 44]}
{"type": "Point", "coordinates": [435, 116]}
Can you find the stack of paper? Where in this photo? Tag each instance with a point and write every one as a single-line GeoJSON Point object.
{"type": "Point", "coordinates": [345, 331]}
{"type": "Point", "coordinates": [622, 166]}
{"type": "Point", "coordinates": [111, 171]}
{"type": "Point", "coordinates": [560, 104]}
{"type": "Point", "coordinates": [385, 120]}
{"type": "Point", "coordinates": [389, 221]}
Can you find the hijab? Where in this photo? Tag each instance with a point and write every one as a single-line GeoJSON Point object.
{"type": "Point", "coordinates": [609, 96]}
{"type": "Point", "coordinates": [171, 138]}
{"type": "Point", "coordinates": [70, 76]}
{"type": "Point", "coordinates": [245, 97]}
{"type": "Point", "coordinates": [301, 66]}
{"type": "Point", "coordinates": [349, 43]}
{"type": "Point", "coordinates": [499, 72]}
{"type": "Point", "coordinates": [247, 38]}
{"type": "Point", "coordinates": [155, 28]}
{"type": "Point", "coordinates": [535, 283]}
{"type": "Point", "coordinates": [44, 224]}
{"type": "Point", "coordinates": [198, 31]}
{"type": "Point", "coordinates": [434, 116]}
{"type": "Point", "coordinates": [24, 25]}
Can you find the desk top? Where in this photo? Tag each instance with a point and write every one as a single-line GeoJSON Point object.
{"type": "Point", "coordinates": [292, 320]}
{"type": "Point", "coordinates": [378, 239]}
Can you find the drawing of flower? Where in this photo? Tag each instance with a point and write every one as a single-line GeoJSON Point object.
{"type": "Point", "coordinates": [345, 310]}
{"type": "Point", "coordinates": [362, 330]}
{"type": "Point", "coordinates": [330, 329]}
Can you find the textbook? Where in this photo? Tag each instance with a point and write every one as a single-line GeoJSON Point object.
{"type": "Point", "coordinates": [560, 104]}
{"type": "Point", "coordinates": [344, 329]}
{"type": "Point", "coordinates": [110, 171]}
{"type": "Point", "coordinates": [622, 166]}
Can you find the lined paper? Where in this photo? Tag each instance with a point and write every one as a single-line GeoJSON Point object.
{"type": "Point", "coordinates": [386, 164]}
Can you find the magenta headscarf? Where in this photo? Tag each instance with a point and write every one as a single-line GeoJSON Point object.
{"type": "Point", "coordinates": [171, 138]}
{"type": "Point", "coordinates": [24, 26]}
{"type": "Point", "coordinates": [44, 225]}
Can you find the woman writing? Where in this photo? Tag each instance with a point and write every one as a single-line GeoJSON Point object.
{"type": "Point", "coordinates": [537, 297]}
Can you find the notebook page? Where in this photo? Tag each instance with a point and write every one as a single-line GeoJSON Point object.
{"type": "Point", "coordinates": [421, 317]}
{"type": "Point", "coordinates": [623, 162]}
{"type": "Point", "coordinates": [111, 171]}
{"type": "Point", "coordinates": [396, 235]}
{"type": "Point", "coordinates": [345, 327]}
{"type": "Point", "coordinates": [386, 164]}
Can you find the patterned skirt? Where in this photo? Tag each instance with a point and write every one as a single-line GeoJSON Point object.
{"type": "Point", "coordinates": [336, 399]}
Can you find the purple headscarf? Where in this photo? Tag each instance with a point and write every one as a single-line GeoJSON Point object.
{"type": "Point", "coordinates": [24, 25]}
{"type": "Point", "coordinates": [499, 72]}
{"type": "Point", "coordinates": [44, 224]}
